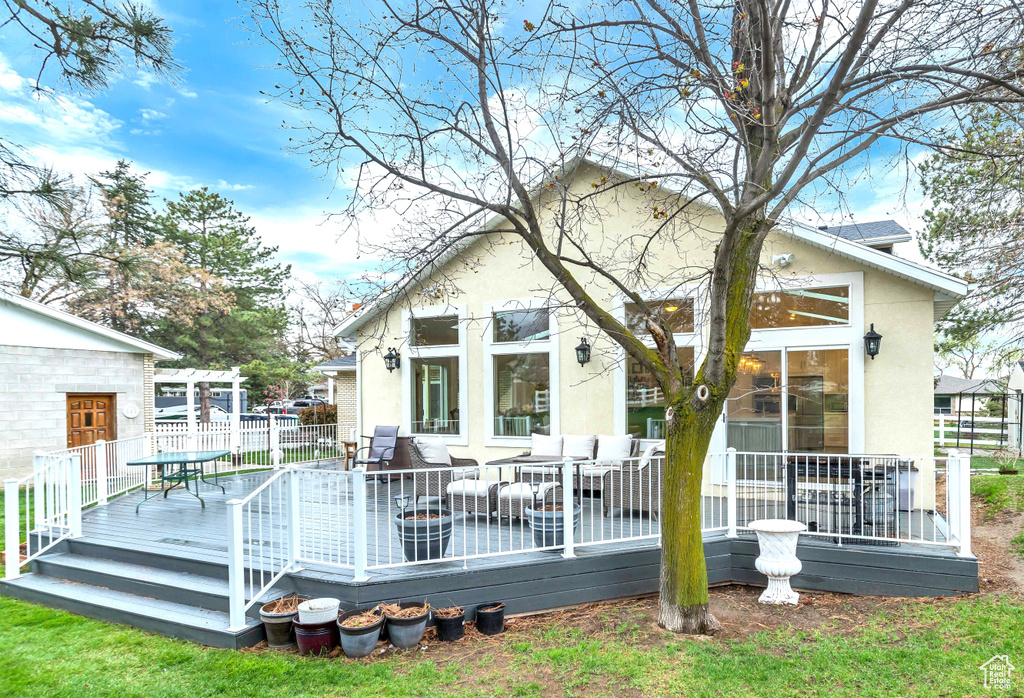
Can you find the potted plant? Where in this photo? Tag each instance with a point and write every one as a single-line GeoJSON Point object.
{"type": "Point", "coordinates": [450, 623]}
{"type": "Point", "coordinates": [360, 631]}
{"type": "Point", "coordinates": [406, 622]}
{"type": "Point", "coordinates": [424, 532]}
{"type": "Point", "coordinates": [548, 523]}
{"type": "Point", "coordinates": [490, 618]}
{"type": "Point", "coordinates": [277, 617]}
{"type": "Point", "coordinates": [1007, 459]}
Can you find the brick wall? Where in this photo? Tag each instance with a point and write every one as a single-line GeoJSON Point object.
{"type": "Point", "coordinates": [345, 397]}
{"type": "Point", "coordinates": [34, 383]}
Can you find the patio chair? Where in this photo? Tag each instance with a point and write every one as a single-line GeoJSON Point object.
{"type": "Point", "coordinates": [635, 486]}
{"type": "Point", "coordinates": [514, 497]}
{"type": "Point", "coordinates": [381, 449]}
{"type": "Point", "coordinates": [440, 478]}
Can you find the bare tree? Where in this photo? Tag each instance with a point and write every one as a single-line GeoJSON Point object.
{"type": "Point", "coordinates": [320, 309]}
{"type": "Point", "coordinates": [456, 115]}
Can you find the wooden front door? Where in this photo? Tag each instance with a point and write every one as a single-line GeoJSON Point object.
{"type": "Point", "coordinates": [90, 417]}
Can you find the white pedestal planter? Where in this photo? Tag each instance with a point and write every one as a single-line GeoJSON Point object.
{"type": "Point", "coordinates": [777, 539]}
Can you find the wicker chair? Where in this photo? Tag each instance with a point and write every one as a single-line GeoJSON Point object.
{"type": "Point", "coordinates": [635, 487]}
{"type": "Point", "coordinates": [435, 482]}
{"type": "Point", "coordinates": [514, 497]}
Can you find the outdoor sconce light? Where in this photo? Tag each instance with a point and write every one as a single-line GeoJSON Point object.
{"type": "Point", "coordinates": [392, 360]}
{"type": "Point", "coordinates": [583, 351]}
{"type": "Point", "coordinates": [872, 341]}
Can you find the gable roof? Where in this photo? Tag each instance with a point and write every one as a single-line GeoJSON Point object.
{"type": "Point", "coordinates": [88, 326]}
{"type": "Point", "coordinates": [949, 290]}
{"type": "Point", "coordinates": [873, 233]}
{"type": "Point", "coordinates": [344, 363]}
{"type": "Point", "coordinates": [952, 385]}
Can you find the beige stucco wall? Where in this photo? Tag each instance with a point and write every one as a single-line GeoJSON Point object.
{"type": "Point", "coordinates": [898, 384]}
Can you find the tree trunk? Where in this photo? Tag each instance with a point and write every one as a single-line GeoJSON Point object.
{"type": "Point", "coordinates": [204, 402]}
{"type": "Point", "coordinates": [683, 606]}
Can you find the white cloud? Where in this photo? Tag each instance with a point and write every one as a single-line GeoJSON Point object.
{"type": "Point", "coordinates": [187, 93]}
{"type": "Point", "coordinates": [227, 186]}
{"type": "Point", "coordinates": [151, 114]}
{"type": "Point", "coordinates": [145, 80]}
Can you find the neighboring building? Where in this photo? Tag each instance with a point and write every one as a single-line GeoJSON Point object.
{"type": "Point", "coordinates": [491, 365]}
{"type": "Point", "coordinates": [964, 396]}
{"type": "Point", "coordinates": [65, 381]}
{"type": "Point", "coordinates": [341, 387]}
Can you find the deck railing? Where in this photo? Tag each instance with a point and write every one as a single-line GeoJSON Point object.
{"type": "Point", "coordinates": [51, 511]}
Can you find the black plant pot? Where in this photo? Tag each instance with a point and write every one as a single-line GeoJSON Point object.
{"type": "Point", "coordinates": [427, 539]}
{"type": "Point", "coordinates": [450, 629]}
{"type": "Point", "coordinates": [490, 620]}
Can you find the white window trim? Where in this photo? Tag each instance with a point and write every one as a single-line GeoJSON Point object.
{"type": "Point", "coordinates": [460, 351]}
{"type": "Point", "coordinates": [547, 346]}
{"type": "Point", "coordinates": [850, 335]}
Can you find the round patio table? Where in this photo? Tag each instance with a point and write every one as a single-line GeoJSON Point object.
{"type": "Point", "coordinates": [180, 467]}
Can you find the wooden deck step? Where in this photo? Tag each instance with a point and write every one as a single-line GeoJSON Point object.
{"type": "Point", "coordinates": [205, 626]}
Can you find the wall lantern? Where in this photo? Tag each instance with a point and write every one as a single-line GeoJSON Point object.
{"type": "Point", "coordinates": [392, 360]}
{"type": "Point", "coordinates": [583, 351]}
{"type": "Point", "coordinates": [872, 341]}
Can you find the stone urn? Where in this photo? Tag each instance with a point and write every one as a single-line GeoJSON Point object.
{"type": "Point", "coordinates": [777, 539]}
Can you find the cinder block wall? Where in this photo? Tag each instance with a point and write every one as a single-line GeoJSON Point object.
{"type": "Point", "coordinates": [34, 383]}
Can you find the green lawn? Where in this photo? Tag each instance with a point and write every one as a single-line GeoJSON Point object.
{"type": "Point", "coordinates": [915, 649]}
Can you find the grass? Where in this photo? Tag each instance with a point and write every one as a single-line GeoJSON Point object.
{"type": "Point", "coordinates": [1001, 493]}
{"type": "Point", "coordinates": [917, 649]}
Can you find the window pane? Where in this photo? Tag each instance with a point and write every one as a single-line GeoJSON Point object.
{"type": "Point", "coordinates": [521, 325]}
{"type": "Point", "coordinates": [645, 403]}
{"type": "Point", "coordinates": [804, 308]}
{"type": "Point", "coordinates": [434, 331]}
{"type": "Point", "coordinates": [522, 395]}
{"type": "Point", "coordinates": [677, 311]}
{"type": "Point", "coordinates": [818, 387]}
{"type": "Point", "coordinates": [435, 395]}
{"type": "Point", "coordinates": [754, 408]}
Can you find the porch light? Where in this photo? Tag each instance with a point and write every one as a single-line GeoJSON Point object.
{"type": "Point", "coordinates": [583, 351]}
{"type": "Point", "coordinates": [872, 341]}
{"type": "Point", "coordinates": [392, 360]}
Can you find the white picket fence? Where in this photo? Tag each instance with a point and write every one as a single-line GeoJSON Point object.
{"type": "Point", "coordinates": [978, 432]}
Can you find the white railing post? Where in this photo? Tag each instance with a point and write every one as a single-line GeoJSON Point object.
{"type": "Point", "coordinates": [75, 496]}
{"type": "Point", "coordinates": [964, 478]}
{"type": "Point", "coordinates": [149, 441]}
{"type": "Point", "coordinates": [100, 458]}
{"type": "Point", "coordinates": [942, 430]}
{"type": "Point", "coordinates": [731, 503]}
{"type": "Point", "coordinates": [38, 465]}
{"type": "Point", "coordinates": [293, 520]}
{"type": "Point", "coordinates": [236, 567]}
{"type": "Point", "coordinates": [568, 510]}
{"type": "Point", "coordinates": [275, 442]}
{"type": "Point", "coordinates": [12, 536]}
{"type": "Point", "coordinates": [359, 524]}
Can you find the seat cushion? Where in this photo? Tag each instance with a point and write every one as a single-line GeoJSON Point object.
{"type": "Point", "coordinates": [469, 487]}
{"type": "Point", "coordinates": [614, 447]}
{"type": "Point", "coordinates": [547, 446]}
{"type": "Point", "coordinates": [578, 447]}
{"type": "Point", "coordinates": [523, 491]}
{"type": "Point", "coordinates": [433, 449]}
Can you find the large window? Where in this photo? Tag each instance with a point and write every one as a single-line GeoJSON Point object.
{"type": "Point", "coordinates": [818, 307]}
{"type": "Point", "coordinates": [521, 325]}
{"type": "Point", "coordinates": [943, 404]}
{"type": "Point", "coordinates": [435, 395]}
{"type": "Point", "coordinates": [522, 394]}
{"type": "Point", "coordinates": [645, 402]}
{"type": "Point", "coordinates": [678, 313]}
{"type": "Point", "coordinates": [441, 330]}
{"type": "Point", "coordinates": [754, 408]}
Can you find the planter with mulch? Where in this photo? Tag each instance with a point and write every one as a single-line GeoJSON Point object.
{"type": "Point", "coordinates": [548, 524]}
{"type": "Point", "coordinates": [490, 618]}
{"type": "Point", "coordinates": [450, 623]}
{"type": "Point", "coordinates": [424, 533]}
{"type": "Point", "coordinates": [360, 631]}
{"type": "Point", "coordinates": [277, 617]}
{"type": "Point", "coordinates": [406, 622]}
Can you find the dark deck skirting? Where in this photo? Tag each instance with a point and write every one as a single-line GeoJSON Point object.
{"type": "Point", "coordinates": [170, 594]}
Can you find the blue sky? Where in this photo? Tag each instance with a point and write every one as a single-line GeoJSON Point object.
{"type": "Point", "coordinates": [215, 129]}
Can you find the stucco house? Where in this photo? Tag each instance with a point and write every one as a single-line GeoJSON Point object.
{"type": "Point", "coordinates": [65, 381]}
{"type": "Point", "coordinates": [494, 361]}
{"type": "Point", "coordinates": [964, 396]}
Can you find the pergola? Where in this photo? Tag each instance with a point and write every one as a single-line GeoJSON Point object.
{"type": "Point", "coordinates": [190, 376]}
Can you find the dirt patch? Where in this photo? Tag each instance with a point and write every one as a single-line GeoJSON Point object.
{"type": "Point", "coordinates": [999, 567]}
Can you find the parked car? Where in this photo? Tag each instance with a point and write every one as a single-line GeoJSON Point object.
{"type": "Point", "coordinates": [279, 406]}
{"type": "Point", "coordinates": [179, 413]}
{"type": "Point", "coordinates": [299, 405]}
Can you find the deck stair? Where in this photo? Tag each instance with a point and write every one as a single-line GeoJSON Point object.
{"type": "Point", "coordinates": [166, 594]}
